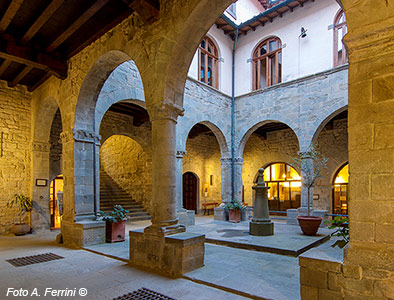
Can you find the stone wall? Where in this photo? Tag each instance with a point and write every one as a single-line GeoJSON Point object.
{"type": "Point", "coordinates": [126, 162]}
{"type": "Point", "coordinates": [15, 149]}
{"type": "Point", "coordinates": [203, 159]}
{"type": "Point", "coordinates": [56, 147]}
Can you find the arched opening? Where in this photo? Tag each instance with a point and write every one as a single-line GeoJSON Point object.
{"type": "Point", "coordinates": [285, 187]}
{"type": "Point", "coordinates": [340, 191]}
{"type": "Point", "coordinates": [190, 191]}
{"type": "Point", "coordinates": [56, 201]}
{"type": "Point", "coordinates": [270, 142]}
{"type": "Point", "coordinates": [202, 159]}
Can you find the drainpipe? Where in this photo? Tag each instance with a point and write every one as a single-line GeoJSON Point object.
{"type": "Point", "coordinates": [233, 119]}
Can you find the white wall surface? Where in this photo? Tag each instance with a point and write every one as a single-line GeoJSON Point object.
{"type": "Point", "coordinates": [300, 56]}
{"type": "Point", "coordinates": [245, 10]}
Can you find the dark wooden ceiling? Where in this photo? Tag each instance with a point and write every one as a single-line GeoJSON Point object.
{"type": "Point", "coordinates": [277, 10]}
{"type": "Point", "coordinates": [139, 114]}
{"type": "Point", "coordinates": [38, 36]}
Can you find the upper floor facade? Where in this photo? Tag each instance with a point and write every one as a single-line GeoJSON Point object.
{"type": "Point", "coordinates": [304, 40]}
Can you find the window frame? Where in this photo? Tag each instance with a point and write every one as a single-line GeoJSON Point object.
{"type": "Point", "coordinates": [215, 62]}
{"type": "Point", "coordinates": [257, 59]}
{"type": "Point", "coordinates": [337, 26]}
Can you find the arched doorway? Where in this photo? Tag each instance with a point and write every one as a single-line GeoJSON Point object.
{"type": "Point", "coordinates": [56, 201]}
{"type": "Point", "coordinates": [190, 191]}
{"type": "Point", "coordinates": [285, 187]}
{"type": "Point", "coordinates": [340, 191]}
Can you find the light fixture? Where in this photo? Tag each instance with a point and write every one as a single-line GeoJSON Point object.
{"type": "Point", "coordinates": [303, 32]}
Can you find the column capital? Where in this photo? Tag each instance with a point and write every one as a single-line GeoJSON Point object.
{"type": "Point", "coordinates": [80, 135]}
{"type": "Point", "coordinates": [180, 154]}
{"type": "Point", "coordinates": [225, 160]}
{"type": "Point", "coordinates": [165, 111]}
{"type": "Point", "coordinates": [238, 160]}
{"type": "Point", "coordinates": [305, 154]}
{"type": "Point", "coordinates": [41, 146]}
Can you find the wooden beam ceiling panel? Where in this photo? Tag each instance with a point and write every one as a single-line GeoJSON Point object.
{"type": "Point", "coordinates": [9, 14]}
{"type": "Point", "coordinates": [39, 82]}
{"type": "Point", "coordinates": [148, 10]}
{"type": "Point", "coordinates": [41, 20]}
{"type": "Point", "coordinates": [76, 25]}
{"type": "Point", "coordinates": [4, 66]}
{"type": "Point", "coordinates": [20, 76]}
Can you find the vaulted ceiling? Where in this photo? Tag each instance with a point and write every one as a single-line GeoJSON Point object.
{"type": "Point", "coordinates": [38, 36]}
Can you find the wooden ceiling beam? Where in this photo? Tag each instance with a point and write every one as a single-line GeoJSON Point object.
{"type": "Point", "coordinates": [41, 20]}
{"type": "Point", "coordinates": [9, 50]}
{"type": "Point", "coordinates": [4, 66]}
{"type": "Point", "coordinates": [221, 25]}
{"type": "Point", "coordinates": [20, 76]}
{"type": "Point", "coordinates": [148, 10]}
{"type": "Point", "coordinates": [9, 14]}
{"type": "Point", "coordinates": [39, 82]}
{"type": "Point", "coordinates": [90, 12]}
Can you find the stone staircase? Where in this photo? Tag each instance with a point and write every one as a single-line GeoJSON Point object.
{"type": "Point", "coordinates": [112, 194]}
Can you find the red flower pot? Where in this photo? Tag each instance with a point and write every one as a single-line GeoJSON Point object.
{"type": "Point", "coordinates": [115, 232]}
{"type": "Point", "coordinates": [309, 224]}
{"type": "Point", "coordinates": [234, 215]}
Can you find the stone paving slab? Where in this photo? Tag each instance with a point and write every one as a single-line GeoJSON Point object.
{"type": "Point", "coordinates": [287, 239]}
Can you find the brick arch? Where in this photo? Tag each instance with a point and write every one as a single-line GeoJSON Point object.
{"type": "Point", "coordinates": [246, 133]}
{"type": "Point", "coordinates": [124, 83]}
{"type": "Point", "coordinates": [220, 137]}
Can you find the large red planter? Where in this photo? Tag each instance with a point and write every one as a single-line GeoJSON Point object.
{"type": "Point", "coordinates": [115, 232]}
{"type": "Point", "coordinates": [309, 224]}
{"type": "Point", "coordinates": [234, 215]}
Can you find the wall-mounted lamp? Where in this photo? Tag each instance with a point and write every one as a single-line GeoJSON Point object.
{"type": "Point", "coordinates": [303, 32]}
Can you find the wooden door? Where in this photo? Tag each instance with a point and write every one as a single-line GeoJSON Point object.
{"type": "Point", "coordinates": [190, 191]}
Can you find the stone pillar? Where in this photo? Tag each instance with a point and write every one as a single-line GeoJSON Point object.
{"type": "Point", "coordinates": [238, 184]}
{"type": "Point", "coordinates": [306, 164]}
{"type": "Point", "coordinates": [185, 217]}
{"type": "Point", "coordinates": [40, 215]}
{"type": "Point", "coordinates": [81, 194]}
{"type": "Point", "coordinates": [164, 246]}
{"type": "Point", "coordinates": [261, 224]}
{"type": "Point", "coordinates": [225, 174]}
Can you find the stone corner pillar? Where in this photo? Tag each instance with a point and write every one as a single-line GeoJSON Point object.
{"type": "Point", "coordinates": [261, 223]}
{"type": "Point", "coordinates": [306, 163]}
{"type": "Point", "coordinates": [164, 246]}
{"type": "Point", "coordinates": [238, 184]}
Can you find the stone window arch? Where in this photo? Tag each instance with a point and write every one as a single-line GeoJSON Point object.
{"type": "Point", "coordinates": [340, 29]}
{"type": "Point", "coordinates": [208, 67]}
{"type": "Point", "coordinates": [267, 63]}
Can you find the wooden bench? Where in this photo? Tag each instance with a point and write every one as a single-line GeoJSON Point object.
{"type": "Point", "coordinates": [208, 206]}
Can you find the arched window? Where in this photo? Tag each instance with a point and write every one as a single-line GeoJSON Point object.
{"type": "Point", "coordinates": [340, 29]}
{"type": "Point", "coordinates": [340, 194]}
{"type": "Point", "coordinates": [267, 63]}
{"type": "Point", "coordinates": [208, 63]}
{"type": "Point", "coordinates": [285, 187]}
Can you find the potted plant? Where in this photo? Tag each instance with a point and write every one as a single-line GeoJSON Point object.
{"type": "Point", "coordinates": [24, 204]}
{"type": "Point", "coordinates": [115, 224]}
{"type": "Point", "coordinates": [234, 211]}
{"type": "Point", "coordinates": [310, 171]}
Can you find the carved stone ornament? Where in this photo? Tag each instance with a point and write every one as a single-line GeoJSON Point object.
{"type": "Point", "coordinates": [41, 147]}
{"type": "Point", "coordinates": [238, 160]}
{"type": "Point", "coordinates": [180, 154]}
{"type": "Point", "coordinates": [225, 160]}
{"type": "Point", "coordinates": [80, 135]}
{"type": "Point", "coordinates": [165, 111]}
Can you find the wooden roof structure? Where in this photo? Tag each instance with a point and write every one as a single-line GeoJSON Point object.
{"type": "Point", "coordinates": [268, 16]}
{"type": "Point", "coordinates": [38, 36]}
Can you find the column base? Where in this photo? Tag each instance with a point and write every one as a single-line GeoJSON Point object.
{"type": "Point", "coordinates": [261, 228]}
{"type": "Point", "coordinates": [292, 215]}
{"type": "Point", "coordinates": [83, 233]}
{"type": "Point", "coordinates": [186, 217]}
{"type": "Point", "coordinates": [160, 231]}
{"type": "Point", "coordinates": [220, 213]}
{"type": "Point", "coordinates": [172, 255]}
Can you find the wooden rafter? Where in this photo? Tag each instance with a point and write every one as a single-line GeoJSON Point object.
{"type": "Point", "coordinates": [20, 76]}
{"type": "Point", "coordinates": [39, 82]}
{"type": "Point", "coordinates": [4, 66]}
{"type": "Point", "coordinates": [148, 10]}
{"type": "Point", "coordinates": [9, 14]}
{"type": "Point", "coordinates": [41, 20]}
{"type": "Point", "coordinates": [77, 24]}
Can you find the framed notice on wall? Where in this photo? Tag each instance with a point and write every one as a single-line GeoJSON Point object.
{"type": "Point", "coordinates": [41, 182]}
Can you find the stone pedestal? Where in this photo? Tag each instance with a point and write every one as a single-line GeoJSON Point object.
{"type": "Point", "coordinates": [261, 224]}
{"type": "Point", "coordinates": [220, 213]}
{"type": "Point", "coordinates": [82, 234]}
{"type": "Point", "coordinates": [292, 215]}
{"type": "Point", "coordinates": [172, 255]}
{"type": "Point", "coordinates": [186, 217]}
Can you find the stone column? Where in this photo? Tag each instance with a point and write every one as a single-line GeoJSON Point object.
{"type": "Point", "coordinates": [40, 215]}
{"type": "Point", "coordinates": [238, 184]}
{"type": "Point", "coordinates": [179, 181]}
{"type": "Point", "coordinates": [306, 164]}
{"type": "Point", "coordinates": [225, 174]}
{"type": "Point", "coordinates": [164, 165]}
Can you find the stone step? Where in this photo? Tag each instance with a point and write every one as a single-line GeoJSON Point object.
{"type": "Point", "coordinates": [135, 219]}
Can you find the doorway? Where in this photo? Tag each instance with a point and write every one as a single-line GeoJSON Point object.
{"type": "Point", "coordinates": [190, 190]}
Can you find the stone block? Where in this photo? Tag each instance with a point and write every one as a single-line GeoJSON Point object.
{"type": "Point", "coordinates": [383, 88]}
{"type": "Point", "coordinates": [186, 218]}
{"type": "Point", "coordinates": [261, 228]}
{"type": "Point", "coordinates": [363, 286]}
{"type": "Point", "coordinates": [292, 215]}
{"type": "Point", "coordinates": [83, 233]}
{"type": "Point", "coordinates": [309, 292]}
{"type": "Point", "coordinates": [248, 211]}
{"type": "Point", "coordinates": [333, 281]}
{"type": "Point", "coordinates": [350, 271]}
{"type": "Point", "coordinates": [312, 277]}
{"type": "Point", "coordinates": [220, 214]}
{"type": "Point", "coordinates": [319, 264]}
{"type": "Point", "coordinates": [329, 295]}
{"type": "Point", "coordinates": [172, 255]}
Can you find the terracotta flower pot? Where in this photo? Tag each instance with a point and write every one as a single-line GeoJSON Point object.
{"type": "Point", "coordinates": [234, 215]}
{"type": "Point", "coordinates": [309, 224]}
{"type": "Point", "coordinates": [20, 229]}
{"type": "Point", "coordinates": [115, 232]}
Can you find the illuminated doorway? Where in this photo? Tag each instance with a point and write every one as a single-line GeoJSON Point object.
{"type": "Point", "coordinates": [285, 187]}
{"type": "Point", "coordinates": [340, 191]}
{"type": "Point", "coordinates": [56, 202]}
